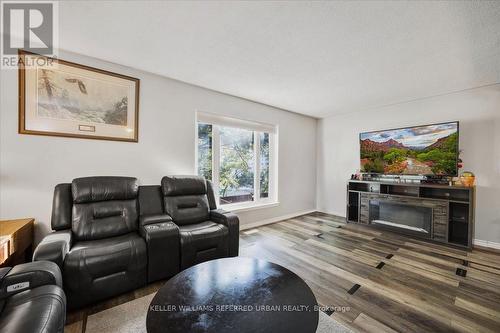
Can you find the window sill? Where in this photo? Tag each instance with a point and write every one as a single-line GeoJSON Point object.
{"type": "Point", "coordinates": [247, 207]}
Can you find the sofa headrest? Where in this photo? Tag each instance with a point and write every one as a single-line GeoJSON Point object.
{"type": "Point", "coordinates": [183, 185]}
{"type": "Point", "coordinates": [93, 189]}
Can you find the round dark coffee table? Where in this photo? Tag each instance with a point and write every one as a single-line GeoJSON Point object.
{"type": "Point", "coordinates": [234, 295]}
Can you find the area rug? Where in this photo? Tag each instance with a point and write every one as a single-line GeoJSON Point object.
{"type": "Point", "coordinates": [130, 317]}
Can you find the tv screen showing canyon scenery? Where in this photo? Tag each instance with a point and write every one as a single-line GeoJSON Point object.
{"type": "Point", "coordinates": [421, 150]}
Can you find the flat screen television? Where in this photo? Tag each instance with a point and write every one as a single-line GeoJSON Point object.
{"type": "Point", "coordinates": [429, 150]}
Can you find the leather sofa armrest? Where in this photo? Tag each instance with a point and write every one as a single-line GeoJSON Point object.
{"type": "Point", "coordinates": [232, 222]}
{"type": "Point", "coordinates": [29, 276]}
{"type": "Point", "coordinates": [162, 242]}
{"type": "Point", "coordinates": [153, 219]}
{"type": "Point", "coordinates": [54, 247]}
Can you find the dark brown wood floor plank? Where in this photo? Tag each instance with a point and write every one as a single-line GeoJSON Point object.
{"type": "Point", "coordinates": [395, 315]}
{"type": "Point", "coordinates": [420, 284]}
{"type": "Point", "coordinates": [323, 250]}
{"type": "Point", "coordinates": [365, 323]}
{"type": "Point", "coordinates": [480, 289]}
{"type": "Point", "coordinates": [481, 306]}
{"type": "Point", "coordinates": [332, 223]}
{"type": "Point", "coordinates": [321, 228]}
{"type": "Point", "coordinates": [439, 261]}
{"type": "Point", "coordinates": [345, 311]}
{"type": "Point", "coordinates": [339, 241]}
{"type": "Point", "coordinates": [485, 268]}
{"type": "Point", "coordinates": [280, 234]}
{"type": "Point", "coordinates": [298, 229]}
{"type": "Point", "coordinates": [74, 327]}
{"type": "Point", "coordinates": [485, 276]}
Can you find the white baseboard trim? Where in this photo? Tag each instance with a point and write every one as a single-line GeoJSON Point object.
{"type": "Point", "coordinates": [256, 224]}
{"type": "Point", "coordinates": [336, 214]}
{"type": "Point", "coordinates": [485, 243]}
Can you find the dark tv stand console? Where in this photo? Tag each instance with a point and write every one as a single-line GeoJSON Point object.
{"type": "Point", "coordinates": [440, 213]}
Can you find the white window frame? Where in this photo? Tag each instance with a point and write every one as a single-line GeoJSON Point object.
{"type": "Point", "coordinates": [257, 128]}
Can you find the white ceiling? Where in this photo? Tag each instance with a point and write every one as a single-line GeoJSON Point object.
{"type": "Point", "coordinates": [315, 58]}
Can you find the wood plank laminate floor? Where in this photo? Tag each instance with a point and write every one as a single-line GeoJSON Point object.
{"type": "Point", "coordinates": [371, 280]}
{"type": "Point", "coordinates": [380, 281]}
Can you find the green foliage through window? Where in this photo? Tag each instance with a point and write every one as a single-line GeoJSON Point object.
{"type": "Point", "coordinates": [236, 175]}
{"type": "Point", "coordinates": [205, 151]}
{"type": "Point", "coordinates": [264, 165]}
{"type": "Point", "coordinates": [236, 163]}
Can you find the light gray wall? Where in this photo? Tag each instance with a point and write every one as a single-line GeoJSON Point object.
{"type": "Point", "coordinates": [478, 111]}
{"type": "Point", "coordinates": [30, 166]}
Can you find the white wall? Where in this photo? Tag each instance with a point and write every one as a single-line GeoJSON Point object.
{"type": "Point", "coordinates": [30, 166]}
{"type": "Point", "coordinates": [478, 111]}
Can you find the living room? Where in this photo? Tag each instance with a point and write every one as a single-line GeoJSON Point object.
{"type": "Point", "coordinates": [250, 166]}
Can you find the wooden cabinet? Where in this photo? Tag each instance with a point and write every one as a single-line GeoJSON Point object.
{"type": "Point", "coordinates": [16, 240]}
{"type": "Point", "coordinates": [452, 207]}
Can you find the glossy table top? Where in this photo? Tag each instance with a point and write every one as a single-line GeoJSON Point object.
{"type": "Point", "coordinates": [234, 295]}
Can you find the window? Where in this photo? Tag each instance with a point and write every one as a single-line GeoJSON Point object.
{"type": "Point", "coordinates": [205, 151]}
{"type": "Point", "coordinates": [238, 156]}
{"type": "Point", "coordinates": [264, 165]}
{"type": "Point", "coordinates": [237, 165]}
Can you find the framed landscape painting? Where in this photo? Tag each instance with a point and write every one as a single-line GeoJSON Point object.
{"type": "Point", "coordinates": [62, 98]}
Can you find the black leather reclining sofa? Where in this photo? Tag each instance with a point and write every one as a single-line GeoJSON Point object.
{"type": "Point", "coordinates": [112, 236]}
{"type": "Point", "coordinates": [31, 298]}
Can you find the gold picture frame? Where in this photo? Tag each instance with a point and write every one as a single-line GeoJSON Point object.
{"type": "Point", "coordinates": [66, 99]}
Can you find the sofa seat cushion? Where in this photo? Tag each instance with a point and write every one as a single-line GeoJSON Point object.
{"type": "Point", "coordinates": [42, 309]}
{"type": "Point", "coordinates": [202, 241]}
{"type": "Point", "coordinates": [98, 269]}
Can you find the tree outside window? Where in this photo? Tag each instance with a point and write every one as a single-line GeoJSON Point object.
{"type": "Point", "coordinates": [205, 150]}
{"type": "Point", "coordinates": [240, 164]}
{"type": "Point", "coordinates": [236, 175]}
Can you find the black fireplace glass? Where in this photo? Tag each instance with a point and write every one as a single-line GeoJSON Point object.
{"type": "Point", "coordinates": [405, 217]}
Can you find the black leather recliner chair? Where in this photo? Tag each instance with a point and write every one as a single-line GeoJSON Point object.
{"type": "Point", "coordinates": [206, 232]}
{"type": "Point", "coordinates": [31, 298]}
{"type": "Point", "coordinates": [96, 241]}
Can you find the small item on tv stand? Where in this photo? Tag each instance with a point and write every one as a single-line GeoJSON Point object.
{"type": "Point", "coordinates": [391, 178]}
{"type": "Point", "coordinates": [437, 180]}
{"type": "Point", "coordinates": [467, 178]}
{"type": "Point", "coordinates": [356, 176]}
{"type": "Point", "coordinates": [440, 180]}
